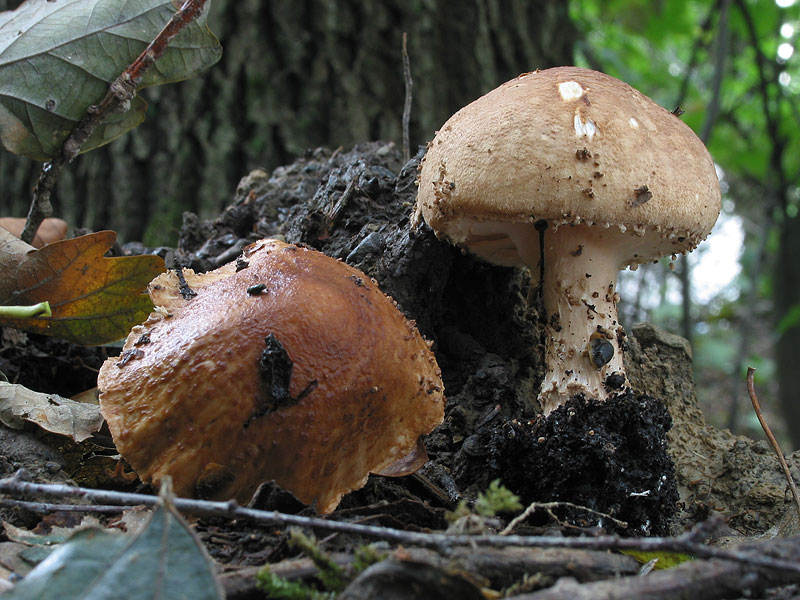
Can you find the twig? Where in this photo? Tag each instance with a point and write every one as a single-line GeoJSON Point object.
{"type": "Point", "coordinates": [47, 508]}
{"type": "Point", "coordinates": [549, 506]}
{"type": "Point", "coordinates": [117, 98]}
{"type": "Point", "coordinates": [711, 112]}
{"type": "Point", "coordinates": [770, 107]}
{"type": "Point", "coordinates": [751, 389]}
{"type": "Point", "coordinates": [687, 543]}
{"type": "Point", "coordinates": [407, 103]}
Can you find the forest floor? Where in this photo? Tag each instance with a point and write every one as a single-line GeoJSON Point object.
{"type": "Point", "coordinates": [644, 463]}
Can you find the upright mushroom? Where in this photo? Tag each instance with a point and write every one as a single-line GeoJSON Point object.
{"type": "Point", "coordinates": [285, 365]}
{"type": "Point", "coordinates": [576, 175]}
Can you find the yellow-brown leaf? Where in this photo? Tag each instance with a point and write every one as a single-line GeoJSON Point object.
{"type": "Point", "coordinates": [94, 299]}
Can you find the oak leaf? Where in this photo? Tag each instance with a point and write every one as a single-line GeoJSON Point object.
{"type": "Point", "coordinates": [94, 299]}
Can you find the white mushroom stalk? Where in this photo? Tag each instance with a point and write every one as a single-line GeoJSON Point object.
{"type": "Point", "coordinates": [582, 347]}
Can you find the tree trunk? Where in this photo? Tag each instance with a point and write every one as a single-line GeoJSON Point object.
{"type": "Point", "coordinates": [786, 277]}
{"type": "Point", "coordinates": [294, 75]}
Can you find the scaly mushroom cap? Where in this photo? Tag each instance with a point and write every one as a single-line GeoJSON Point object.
{"type": "Point", "coordinates": [312, 379]}
{"type": "Point", "coordinates": [569, 146]}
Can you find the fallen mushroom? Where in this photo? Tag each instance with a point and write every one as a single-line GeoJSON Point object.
{"type": "Point", "coordinates": [51, 229]}
{"type": "Point", "coordinates": [285, 365]}
{"type": "Point", "coordinates": [576, 175]}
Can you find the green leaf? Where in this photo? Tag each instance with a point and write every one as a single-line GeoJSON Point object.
{"type": "Point", "coordinates": [57, 59]}
{"type": "Point", "coordinates": [164, 560]}
{"type": "Point", "coordinates": [789, 320]}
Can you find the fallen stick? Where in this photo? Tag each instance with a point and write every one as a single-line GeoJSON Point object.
{"type": "Point", "coordinates": [696, 580]}
{"type": "Point", "coordinates": [688, 543]}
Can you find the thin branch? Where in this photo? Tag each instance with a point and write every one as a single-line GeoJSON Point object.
{"type": "Point", "coordinates": [117, 99]}
{"type": "Point", "coordinates": [699, 44]}
{"type": "Point", "coordinates": [688, 543]}
{"type": "Point", "coordinates": [548, 507]}
{"type": "Point", "coordinates": [407, 104]}
{"type": "Point", "coordinates": [712, 110]}
{"type": "Point", "coordinates": [695, 579]}
{"type": "Point", "coordinates": [47, 508]}
{"type": "Point", "coordinates": [751, 389]}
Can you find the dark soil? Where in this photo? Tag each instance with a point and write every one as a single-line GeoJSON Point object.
{"type": "Point", "coordinates": [48, 365]}
{"type": "Point", "coordinates": [610, 457]}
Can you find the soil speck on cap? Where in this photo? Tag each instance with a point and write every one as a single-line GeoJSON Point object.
{"type": "Point", "coordinates": [641, 195]}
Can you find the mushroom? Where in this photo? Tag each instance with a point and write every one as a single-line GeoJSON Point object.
{"type": "Point", "coordinates": [50, 230]}
{"type": "Point", "coordinates": [576, 175]}
{"type": "Point", "coordinates": [285, 365]}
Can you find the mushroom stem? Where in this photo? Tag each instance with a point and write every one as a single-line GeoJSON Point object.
{"type": "Point", "coordinates": [581, 265]}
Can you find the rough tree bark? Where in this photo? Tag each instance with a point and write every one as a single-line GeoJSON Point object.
{"type": "Point", "coordinates": [786, 275]}
{"type": "Point", "coordinates": [295, 74]}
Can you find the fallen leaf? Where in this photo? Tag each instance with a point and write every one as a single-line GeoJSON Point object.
{"type": "Point", "coordinates": [56, 535]}
{"type": "Point", "coordinates": [164, 560]}
{"type": "Point", "coordinates": [94, 299]}
{"type": "Point", "coordinates": [58, 58]}
{"type": "Point", "coordinates": [11, 560]}
{"type": "Point", "coordinates": [59, 415]}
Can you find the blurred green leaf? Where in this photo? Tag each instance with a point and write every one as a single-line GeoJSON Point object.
{"type": "Point", "coordinates": [789, 320]}
{"type": "Point", "coordinates": [164, 560]}
{"type": "Point", "coordinates": [57, 59]}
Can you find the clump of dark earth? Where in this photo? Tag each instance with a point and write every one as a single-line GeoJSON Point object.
{"type": "Point", "coordinates": [356, 206]}
{"type": "Point", "coordinates": [609, 457]}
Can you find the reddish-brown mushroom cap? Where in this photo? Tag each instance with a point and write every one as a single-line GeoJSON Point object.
{"type": "Point", "coordinates": [193, 394]}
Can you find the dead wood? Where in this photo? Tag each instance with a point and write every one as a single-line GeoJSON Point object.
{"type": "Point", "coordinates": [710, 579]}
{"type": "Point", "coordinates": [495, 567]}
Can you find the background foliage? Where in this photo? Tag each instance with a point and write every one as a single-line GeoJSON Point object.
{"type": "Point", "coordinates": [297, 74]}
{"type": "Point", "coordinates": [731, 65]}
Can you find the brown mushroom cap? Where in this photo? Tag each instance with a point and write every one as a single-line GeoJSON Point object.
{"type": "Point", "coordinates": [50, 230]}
{"type": "Point", "coordinates": [187, 396]}
{"type": "Point", "coordinates": [568, 145]}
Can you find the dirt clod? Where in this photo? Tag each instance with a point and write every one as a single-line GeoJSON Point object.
{"type": "Point", "coordinates": [610, 457]}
